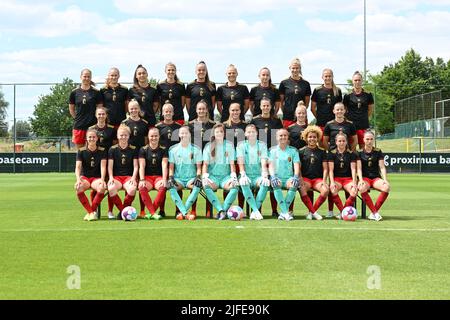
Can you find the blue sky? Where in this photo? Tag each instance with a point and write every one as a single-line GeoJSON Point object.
{"type": "Point", "coordinates": [48, 40]}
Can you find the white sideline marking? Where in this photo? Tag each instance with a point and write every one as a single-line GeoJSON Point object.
{"type": "Point", "coordinates": [117, 228]}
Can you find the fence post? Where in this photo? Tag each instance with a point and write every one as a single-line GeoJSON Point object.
{"type": "Point", "coordinates": [14, 131]}
{"type": "Point", "coordinates": [59, 158]}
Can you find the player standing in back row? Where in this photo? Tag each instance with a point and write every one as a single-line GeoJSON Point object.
{"type": "Point", "coordinates": [292, 90]}
{"type": "Point", "coordinates": [359, 104]}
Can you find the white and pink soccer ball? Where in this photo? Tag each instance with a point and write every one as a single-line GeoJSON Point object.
{"type": "Point", "coordinates": [349, 214]}
{"type": "Point", "coordinates": [129, 214]}
{"type": "Point", "coordinates": [235, 213]}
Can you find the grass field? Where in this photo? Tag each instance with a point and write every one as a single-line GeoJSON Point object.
{"type": "Point", "coordinates": [42, 234]}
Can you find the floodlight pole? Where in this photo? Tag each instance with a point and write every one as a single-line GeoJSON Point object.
{"type": "Point", "coordinates": [365, 51]}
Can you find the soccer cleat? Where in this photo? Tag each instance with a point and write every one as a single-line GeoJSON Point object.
{"type": "Point", "coordinates": [221, 215]}
{"type": "Point", "coordinates": [317, 216]}
{"type": "Point", "coordinates": [142, 214]}
{"type": "Point", "coordinates": [95, 215]}
{"type": "Point", "coordinates": [180, 216]}
{"type": "Point", "coordinates": [375, 216]}
{"type": "Point", "coordinates": [86, 217]}
{"type": "Point", "coordinates": [119, 216]}
{"type": "Point", "coordinates": [155, 217]}
{"type": "Point", "coordinates": [290, 216]}
{"type": "Point", "coordinates": [275, 214]}
{"type": "Point", "coordinates": [252, 215]}
{"type": "Point", "coordinates": [283, 216]}
{"type": "Point", "coordinates": [111, 216]}
{"type": "Point", "coordinates": [309, 216]}
{"type": "Point", "coordinates": [338, 216]}
{"type": "Point", "coordinates": [258, 215]}
{"type": "Point", "coordinates": [330, 214]}
{"type": "Point", "coordinates": [191, 217]}
{"type": "Point", "coordinates": [162, 214]}
{"type": "Point", "coordinates": [148, 216]}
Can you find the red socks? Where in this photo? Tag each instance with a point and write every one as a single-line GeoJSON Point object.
{"type": "Point", "coordinates": [145, 197]}
{"type": "Point", "coordinates": [381, 199]}
{"type": "Point", "coordinates": [368, 200]}
{"type": "Point", "coordinates": [307, 201]}
{"type": "Point", "coordinates": [97, 200]}
{"type": "Point", "coordinates": [84, 202]}
{"type": "Point", "coordinates": [337, 201]}
{"type": "Point", "coordinates": [321, 199]}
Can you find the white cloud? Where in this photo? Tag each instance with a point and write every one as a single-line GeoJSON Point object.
{"type": "Point", "coordinates": [200, 8]}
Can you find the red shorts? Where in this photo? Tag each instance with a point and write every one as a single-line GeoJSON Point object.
{"type": "Point", "coordinates": [313, 182]}
{"type": "Point", "coordinates": [79, 136]}
{"type": "Point", "coordinates": [153, 179]}
{"type": "Point", "coordinates": [287, 123]}
{"type": "Point", "coordinates": [360, 135]}
{"type": "Point", "coordinates": [123, 179]}
{"type": "Point", "coordinates": [370, 182]}
{"type": "Point", "coordinates": [90, 180]}
{"type": "Point", "coordinates": [343, 181]}
{"type": "Point", "coordinates": [180, 122]}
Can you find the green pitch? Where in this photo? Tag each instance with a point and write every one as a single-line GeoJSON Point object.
{"type": "Point", "coordinates": [49, 252]}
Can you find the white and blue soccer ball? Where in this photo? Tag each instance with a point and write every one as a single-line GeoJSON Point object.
{"type": "Point", "coordinates": [129, 214]}
{"type": "Point", "coordinates": [349, 214]}
{"type": "Point", "coordinates": [235, 213]}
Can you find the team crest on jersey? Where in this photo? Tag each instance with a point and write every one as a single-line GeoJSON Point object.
{"type": "Point", "coordinates": [170, 94]}
{"type": "Point", "coordinates": [202, 92]}
{"type": "Point", "coordinates": [232, 95]}
{"type": "Point", "coordinates": [84, 99]}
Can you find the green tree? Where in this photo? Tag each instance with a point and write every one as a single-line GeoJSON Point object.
{"type": "Point", "coordinates": [23, 129]}
{"type": "Point", "coordinates": [409, 76]}
{"type": "Point", "coordinates": [51, 113]}
{"type": "Point", "coordinates": [3, 113]}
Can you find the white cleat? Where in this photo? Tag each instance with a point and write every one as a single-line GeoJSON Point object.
{"type": "Point", "coordinates": [309, 216]}
{"type": "Point", "coordinates": [375, 216]}
{"type": "Point", "coordinates": [283, 216]}
{"type": "Point", "coordinates": [111, 216]}
{"type": "Point", "coordinates": [317, 216]}
{"type": "Point", "coordinates": [86, 217]}
{"type": "Point", "coordinates": [330, 214]}
{"type": "Point", "coordinates": [253, 215]}
{"type": "Point", "coordinates": [258, 216]}
{"type": "Point", "coordinates": [289, 216]}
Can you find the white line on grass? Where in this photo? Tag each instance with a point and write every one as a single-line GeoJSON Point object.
{"type": "Point", "coordinates": [247, 227]}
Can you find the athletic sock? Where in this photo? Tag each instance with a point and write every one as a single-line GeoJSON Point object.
{"type": "Point", "coordinates": [145, 197]}
{"type": "Point", "coordinates": [160, 199]}
{"type": "Point", "coordinates": [110, 204]}
{"type": "Point", "coordinates": [321, 199]}
{"type": "Point", "coordinates": [290, 197]}
{"type": "Point", "coordinates": [128, 200]}
{"type": "Point", "coordinates": [84, 202]}
{"type": "Point", "coordinates": [278, 193]}
{"type": "Point", "coordinates": [337, 201]}
{"type": "Point", "coordinates": [350, 202]}
{"type": "Point", "coordinates": [248, 194]}
{"type": "Point", "coordinates": [331, 202]}
{"type": "Point", "coordinates": [273, 202]}
{"type": "Point", "coordinates": [178, 201]}
{"type": "Point", "coordinates": [97, 200]}
{"type": "Point", "coordinates": [241, 199]}
{"type": "Point", "coordinates": [192, 198]}
{"type": "Point", "coordinates": [229, 199]}
{"type": "Point", "coordinates": [307, 201]}
{"type": "Point", "coordinates": [212, 197]}
{"type": "Point", "coordinates": [368, 200]}
{"type": "Point", "coordinates": [141, 203]}
{"type": "Point", "coordinates": [262, 192]}
{"type": "Point", "coordinates": [116, 200]}
{"type": "Point", "coordinates": [381, 199]}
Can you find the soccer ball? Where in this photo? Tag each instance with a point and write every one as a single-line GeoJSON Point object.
{"type": "Point", "coordinates": [349, 214]}
{"type": "Point", "coordinates": [129, 214]}
{"type": "Point", "coordinates": [235, 213]}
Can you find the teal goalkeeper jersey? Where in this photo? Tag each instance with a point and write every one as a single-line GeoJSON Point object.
{"type": "Point", "coordinates": [185, 160]}
{"type": "Point", "coordinates": [252, 156]}
{"type": "Point", "coordinates": [219, 165]}
{"type": "Point", "coordinates": [283, 161]}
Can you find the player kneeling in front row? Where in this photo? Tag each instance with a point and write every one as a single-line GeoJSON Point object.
{"type": "Point", "coordinates": [153, 171]}
{"type": "Point", "coordinates": [372, 174]}
{"type": "Point", "coordinates": [185, 167]}
{"type": "Point", "coordinates": [219, 170]}
{"type": "Point", "coordinates": [252, 156]}
{"type": "Point", "coordinates": [284, 169]}
{"type": "Point", "coordinates": [90, 171]}
{"type": "Point", "coordinates": [342, 171]}
{"type": "Point", "coordinates": [314, 168]}
{"type": "Point", "coordinates": [123, 169]}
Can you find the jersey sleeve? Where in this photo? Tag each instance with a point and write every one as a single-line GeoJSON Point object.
{"type": "Point", "coordinates": [98, 97]}
{"type": "Point", "coordinates": [264, 151]}
{"type": "Point", "coordinates": [111, 154]}
{"type": "Point", "coordinates": [253, 94]}
{"type": "Point", "coordinates": [72, 97]}
{"type": "Point", "coordinates": [141, 153]}
{"type": "Point", "coordinates": [104, 155]}
{"type": "Point", "coordinates": [171, 156]}
{"type": "Point", "coordinates": [295, 156]}
{"type": "Point", "coordinates": [245, 92]}
{"type": "Point", "coordinates": [231, 151]}
{"type": "Point", "coordinates": [219, 94]}
{"type": "Point", "coordinates": [370, 98]}
{"type": "Point", "coordinates": [282, 88]}
{"type": "Point", "coordinates": [79, 156]}
{"type": "Point", "coordinates": [197, 154]}
{"type": "Point", "coordinates": [206, 153]}
{"type": "Point", "coordinates": [353, 157]}
{"type": "Point", "coordinates": [314, 96]}
{"type": "Point", "coordinates": [189, 90]}
{"type": "Point", "coordinates": [240, 150]}
{"type": "Point", "coordinates": [326, 130]}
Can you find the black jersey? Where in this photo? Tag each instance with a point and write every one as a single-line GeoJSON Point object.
{"type": "Point", "coordinates": [168, 134]}
{"type": "Point", "coordinates": [311, 161]}
{"type": "Point", "coordinates": [91, 161]}
{"type": "Point", "coordinates": [201, 132]}
{"type": "Point", "coordinates": [105, 135]}
{"type": "Point", "coordinates": [85, 102]}
{"type": "Point", "coordinates": [267, 129]}
{"type": "Point", "coordinates": [234, 94]}
{"type": "Point", "coordinates": [197, 91]}
{"type": "Point", "coordinates": [172, 92]}
{"type": "Point", "coordinates": [235, 132]}
{"type": "Point", "coordinates": [295, 135]}
{"type": "Point", "coordinates": [358, 108]}
{"type": "Point", "coordinates": [153, 159]}
{"type": "Point", "coordinates": [342, 162]}
{"type": "Point", "coordinates": [333, 127]}
{"type": "Point", "coordinates": [259, 92]}
{"type": "Point", "coordinates": [139, 130]}
{"type": "Point", "coordinates": [370, 163]}
{"type": "Point", "coordinates": [325, 101]}
{"type": "Point", "coordinates": [145, 97]}
{"type": "Point", "coordinates": [293, 91]}
{"type": "Point", "coordinates": [114, 100]}
{"type": "Point", "coordinates": [123, 159]}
